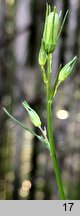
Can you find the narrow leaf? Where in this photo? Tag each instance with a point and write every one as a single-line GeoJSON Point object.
{"type": "Point", "coordinates": [19, 123]}
{"type": "Point", "coordinates": [63, 22]}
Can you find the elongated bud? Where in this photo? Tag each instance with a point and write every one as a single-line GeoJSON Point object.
{"type": "Point", "coordinates": [42, 56]}
{"type": "Point", "coordinates": [32, 114]}
{"type": "Point", "coordinates": [66, 70]}
{"type": "Point", "coordinates": [51, 30]}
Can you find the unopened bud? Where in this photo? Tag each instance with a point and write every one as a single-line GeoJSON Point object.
{"type": "Point", "coordinates": [42, 56]}
{"type": "Point", "coordinates": [51, 31]}
{"type": "Point", "coordinates": [32, 114]}
{"type": "Point", "coordinates": [66, 70]}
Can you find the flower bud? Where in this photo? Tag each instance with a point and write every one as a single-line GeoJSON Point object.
{"type": "Point", "coordinates": [32, 114]}
{"type": "Point", "coordinates": [42, 56]}
{"type": "Point", "coordinates": [66, 70]}
{"type": "Point", "coordinates": [51, 31]}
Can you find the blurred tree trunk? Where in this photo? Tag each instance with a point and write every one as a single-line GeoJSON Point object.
{"type": "Point", "coordinates": [21, 76]}
{"type": "Point", "coordinates": [4, 98]}
{"type": "Point", "coordinates": [2, 90]}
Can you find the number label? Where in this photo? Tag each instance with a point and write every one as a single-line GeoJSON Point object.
{"type": "Point", "coordinates": [68, 206]}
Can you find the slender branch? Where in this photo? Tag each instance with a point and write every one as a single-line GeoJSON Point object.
{"type": "Point", "coordinates": [55, 86]}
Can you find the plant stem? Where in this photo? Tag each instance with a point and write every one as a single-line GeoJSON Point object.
{"type": "Point", "coordinates": [50, 135]}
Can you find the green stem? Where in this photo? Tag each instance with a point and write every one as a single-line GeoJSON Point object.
{"type": "Point", "coordinates": [51, 140]}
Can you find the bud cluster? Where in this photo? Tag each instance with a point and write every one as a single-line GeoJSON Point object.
{"type": "Point", "coordinates": [50, 34]}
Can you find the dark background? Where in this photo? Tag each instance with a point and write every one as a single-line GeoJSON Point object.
{"type": "Point", "coordinates": [23, 159]}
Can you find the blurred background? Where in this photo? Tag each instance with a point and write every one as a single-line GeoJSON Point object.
{"type": "Point", "coordinates": [26, 171]}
